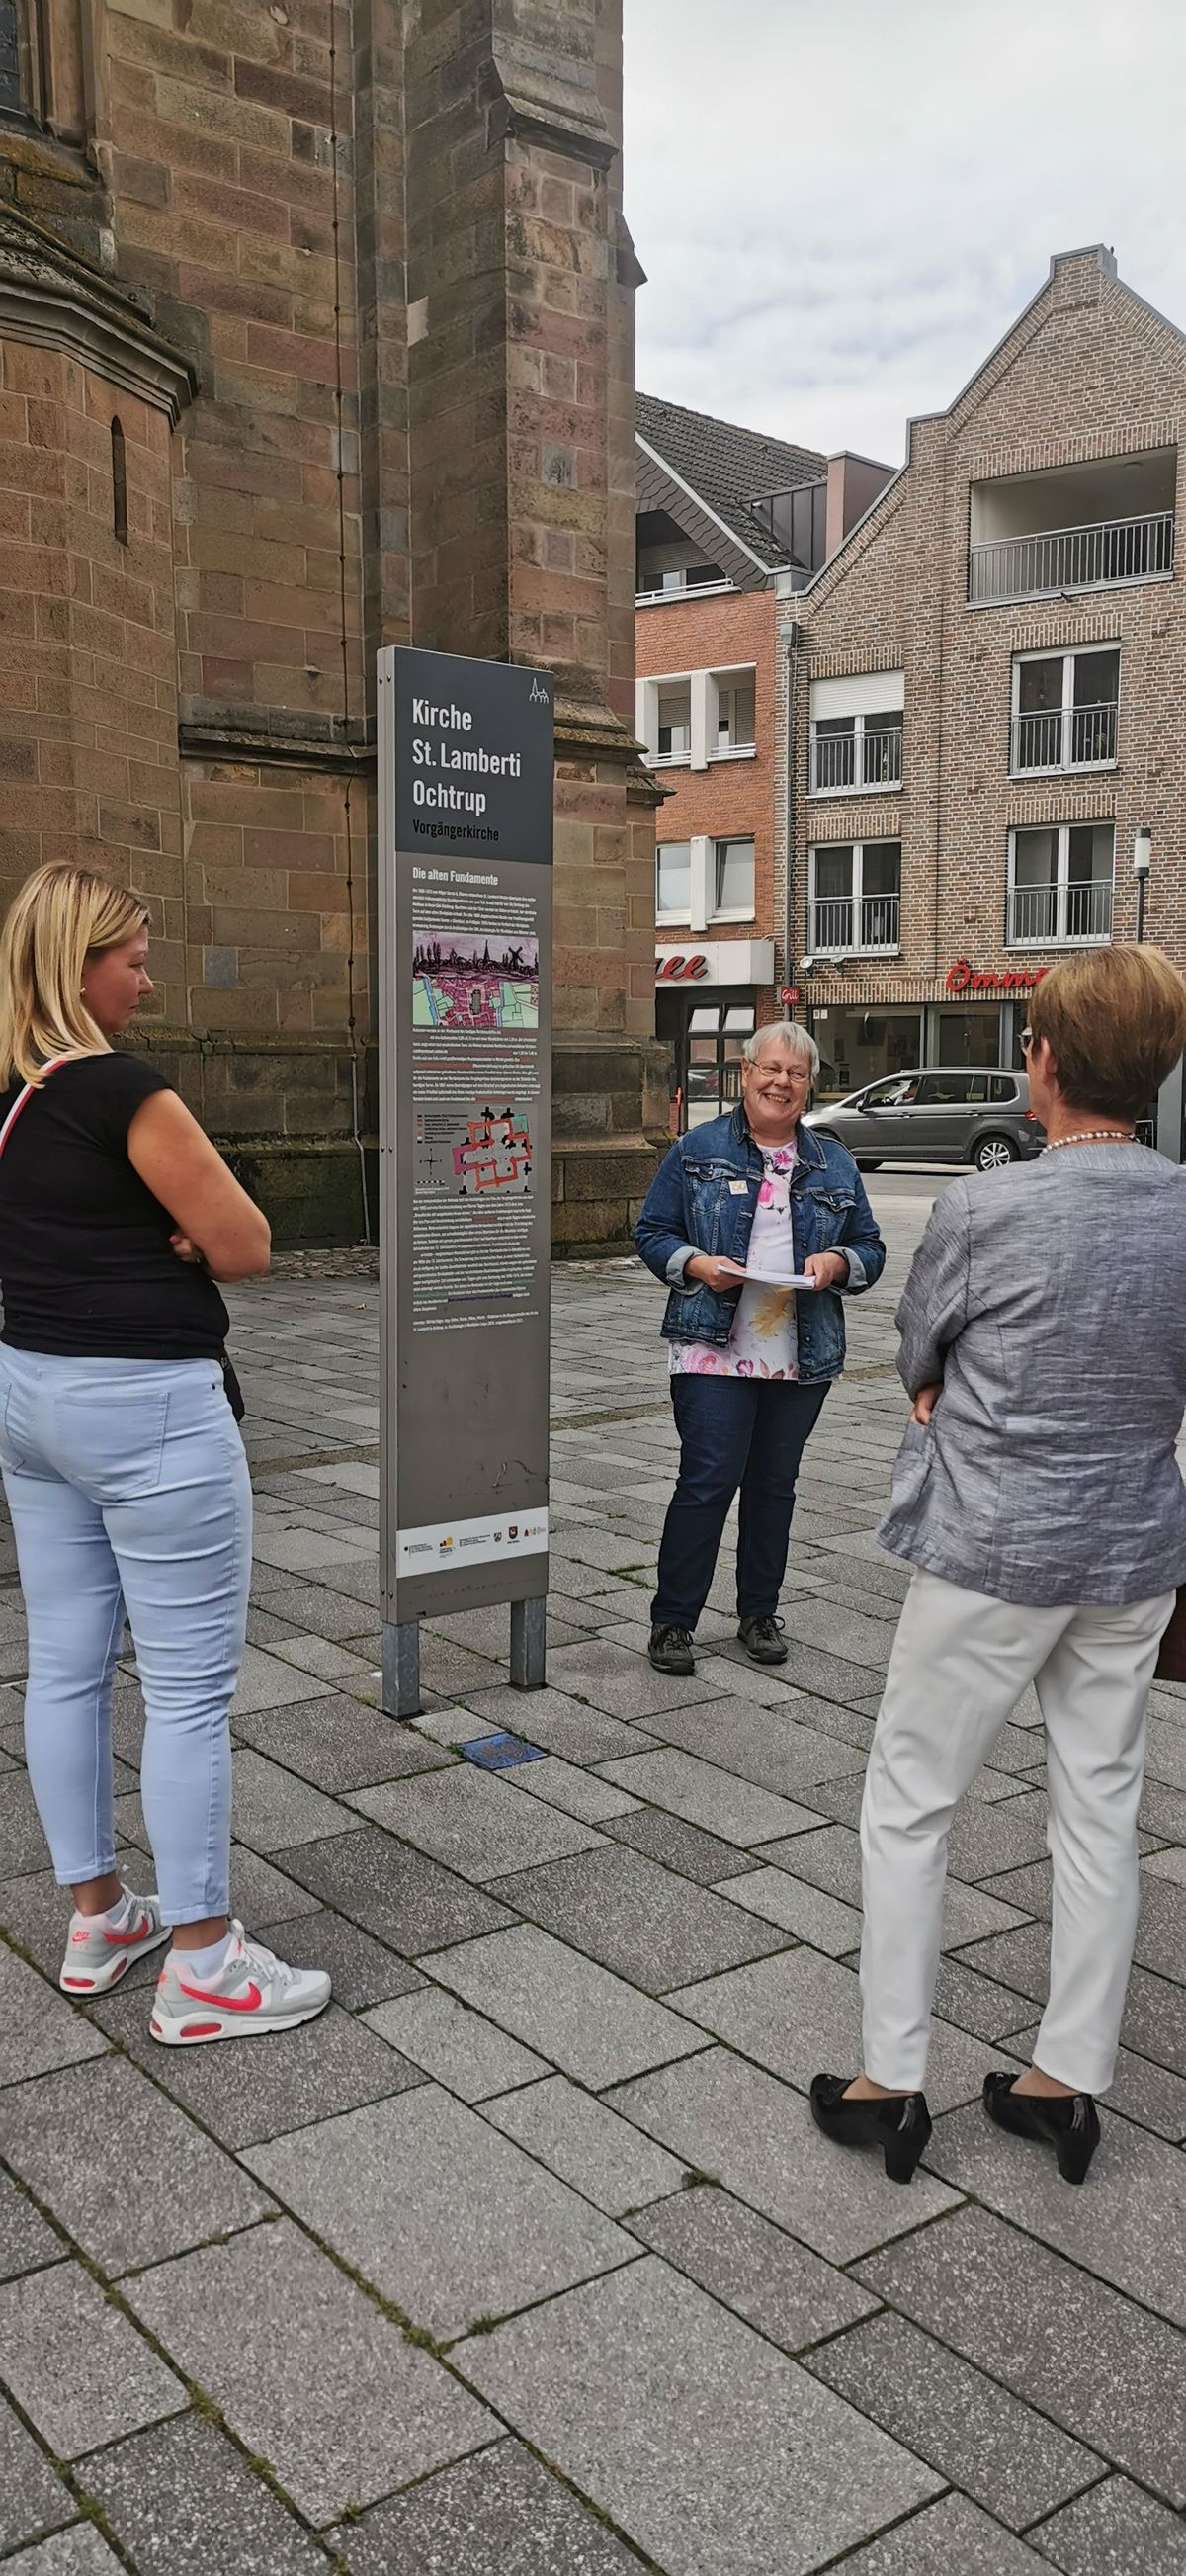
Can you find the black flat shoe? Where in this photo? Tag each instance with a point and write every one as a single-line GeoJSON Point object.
{"type": "Point", "coordinates": [900, 2126]}
{"type": "Point", "coordinates": [670, 1651]}
{"type": "Point", "coordinates": [763, 1639]}
{"type": "Point", "coordinates": [1067, 2122]}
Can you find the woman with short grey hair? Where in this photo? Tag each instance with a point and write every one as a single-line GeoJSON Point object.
{"type": "Point", "coordinates": [1038, 1497]}
{"type": "Point", "coordinates": [757, 1228]}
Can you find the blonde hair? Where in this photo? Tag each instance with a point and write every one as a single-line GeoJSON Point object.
{"type": "Point", "coordinates": [1115, 1019]}
{"type": "Point", "coordinates": [62, 916]}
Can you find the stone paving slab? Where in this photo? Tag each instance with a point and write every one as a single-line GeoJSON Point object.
{"type": "Point", "coordinates": [126, 2173]}
{"type": "Point", "coordinates": [1114, 2530]}
{"type": "Point", "coordinates": [313, 2378]}
{"type": "Point", "coordinates": [338, 1744]}
{"type": "Point", "coordinates": [364, 1972]}
{"type": "Point", "coordinates": [952, 2534]}
{"type": "Point", "coordinates": [466, 2053]}
{"type": "Point", "coordinates": [582, 2140]}
{"type": "Point", "coordinates": [765, 1745]}
{"type": "Point", "coordinates": [637, 1918]}
{"type": "Point", "coordinates": [498, 2513]}
{"type": "Point", "coordinates": [831, 1859]}
{"type": "Point", "coordinates": [81, 2551]}
{"type": "Point", "coordinates": [32, 2500]}
{"type": "Point", "coordinates": [474, 1821]}
{"type": "Point", "coordinates": [26, 2242]}
{"type": "Point", "coordinates": [1130, 2228]}
{"type": "Point", "coordinates": [801, 1910]}
{"type": "Point", "coordinates": [1106, 2371]}
{"type": "Point", "coordinates": [620, 2384]}
{"type": "Point", "coordinates": [739, 2125]}
{"type": "Point", "coordinates": [400, 1895]}
{"type": "Point", "coordinates": [74, 2364]}
{"type": "Point", "coordinates": [706, 1795]}
{"type": "Point", "coordinates": [577, 1793]}
{"type": "Point", "coordinates": [976, 2435]}
{"type": "Point", "coordinates": [589, 2023]}
{"type": "Point", "coordinates": [245, 2095]}
{"type": "Point", "coordinates": [38, 2028]}
{"type": "Point", "coordinates": [560, 1723]}
{"type": "Point", "coordinates": [798, 2012]}
{"type": "Point", "coordinates": [440, 2213]}
{"type": "Point", "coordinates": [181, 2500]}
{"type": "Point", "coordinates": [790, 2295]}
{"type": "Point", "coordinates": [704, 1858]}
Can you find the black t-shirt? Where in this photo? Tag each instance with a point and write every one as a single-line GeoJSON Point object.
{"type": "Point", "coordinates": [86, 1268]}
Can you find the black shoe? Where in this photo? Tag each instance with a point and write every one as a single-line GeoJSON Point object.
{"type": "Point", "coordinates": [1067, 2122]}
{"type": "Point", "coordinates": [670, 1651]}
{"type": "Point", "coordinates": [900, 2126]}
{"type": "Point", "coordinates": [762, 1638]}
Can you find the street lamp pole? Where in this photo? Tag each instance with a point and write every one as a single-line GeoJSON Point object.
{"type": "Point", "coordinates": [1142, 860]}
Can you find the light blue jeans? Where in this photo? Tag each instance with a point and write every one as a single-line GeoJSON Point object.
{"type": "Point", "coordinates": [128, 1485]}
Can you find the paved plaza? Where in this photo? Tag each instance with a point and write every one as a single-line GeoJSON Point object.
{"type": "Point", "coordinates": [525, 2259]}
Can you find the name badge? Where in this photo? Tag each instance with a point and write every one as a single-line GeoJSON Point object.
{"type": "Point", "coordinates": [738, 1189]}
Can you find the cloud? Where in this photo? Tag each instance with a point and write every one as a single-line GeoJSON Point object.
{"type": "Point", "coordinates": [843, 204]}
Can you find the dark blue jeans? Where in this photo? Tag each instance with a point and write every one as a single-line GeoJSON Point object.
{"type": "Point", "coordinates": [734, 1431]}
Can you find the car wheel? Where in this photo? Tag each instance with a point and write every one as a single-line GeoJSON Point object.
{"type": "Point", "coordinates": [868, 1162]}
{"type": "Point", "coordinates": [995, 1153]}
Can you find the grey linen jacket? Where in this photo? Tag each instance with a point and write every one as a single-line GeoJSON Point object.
{"type": "Point", "coordinates": [1051, 1300]}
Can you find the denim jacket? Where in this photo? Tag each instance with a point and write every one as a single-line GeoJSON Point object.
{"type": "Point", "coordinates": [695, 1204]}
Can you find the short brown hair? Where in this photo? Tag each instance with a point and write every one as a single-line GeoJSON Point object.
{"type": "Point", "coordinates": [1115, 1020]}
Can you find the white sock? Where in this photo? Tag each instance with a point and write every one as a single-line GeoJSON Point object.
{"type": "Point", "coordinates": [115, 1917]}
{"type": "Point", "coordinates": [203, 1963]}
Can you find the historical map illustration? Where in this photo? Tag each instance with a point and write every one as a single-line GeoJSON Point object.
{"type": "Point", "coordinates": [467, 982]}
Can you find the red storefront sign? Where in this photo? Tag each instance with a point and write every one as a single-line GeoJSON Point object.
{"type": "Point", "coordinates": [789, 994]}
{"type": "Point", "coordinates": [681, 970]}
{"type": "Point", "coordinates": [965, 978]}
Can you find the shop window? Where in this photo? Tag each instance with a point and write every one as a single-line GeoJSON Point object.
{"type": "Point", "coordinates": [733, 881]}
{"type": "Point", "coordinates": [1060, 885]}
{"type": "Point", "coordinates": [673, 881]}
{"type": "Point", "coordinates": [858, 1047]}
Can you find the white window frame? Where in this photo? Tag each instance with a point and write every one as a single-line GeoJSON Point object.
{"type": "Point", "coordinates": [1069, 655]}
{"type": "Point", "coordinates": [744, 912]}
{"type": "Point", "coordinates": [858, 785]}
{"type": "Point", "coordinates": [1060, 938]}
{"type": "Point", "coordinates": [676, 920]}
{"type": "Point", "coordinates": [827, 849]}
{"type": "Point", "coordinates": [730, 676]}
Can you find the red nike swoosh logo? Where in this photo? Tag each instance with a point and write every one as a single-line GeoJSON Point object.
{"type": "Point", "coordinates": [250, 2002]}
{"type": "Point", "coordinates": [128, 1940]}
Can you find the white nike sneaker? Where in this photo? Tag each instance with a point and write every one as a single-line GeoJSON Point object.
{"type": "Point", "coordinates": [97, 1957]}
{"type": "Point", "coordinates": [253, 1992]}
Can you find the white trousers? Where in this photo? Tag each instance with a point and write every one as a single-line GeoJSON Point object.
{"type": "Point", "coordinates": [959, 1665]}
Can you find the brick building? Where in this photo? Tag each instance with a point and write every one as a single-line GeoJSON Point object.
{"type": "Point", "coordinates": [316, 335]}
{"type": "Point", "coordinates": [730, 525]}
{"type": "Point", "coordinates": [986, 694]}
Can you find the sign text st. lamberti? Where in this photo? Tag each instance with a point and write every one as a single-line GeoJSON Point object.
{"type": "Point", "coordinates": [465, 852]}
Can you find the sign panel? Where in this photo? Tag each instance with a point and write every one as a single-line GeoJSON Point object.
{"type": "Point", "coordinates": [465, 931]}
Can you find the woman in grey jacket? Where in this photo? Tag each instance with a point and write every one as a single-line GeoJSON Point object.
{"type": "Point", "coordinates": [1038, 1496]}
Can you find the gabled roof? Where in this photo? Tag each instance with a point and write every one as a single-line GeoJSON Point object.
{"type": "Point", "coordinates": [724, 467]}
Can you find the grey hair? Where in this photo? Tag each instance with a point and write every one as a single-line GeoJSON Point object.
{"type": "Point", "coordinates": [786, 1033]}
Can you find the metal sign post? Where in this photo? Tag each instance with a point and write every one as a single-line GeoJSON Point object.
{"type": "Point", "coordinates": [465, 938]}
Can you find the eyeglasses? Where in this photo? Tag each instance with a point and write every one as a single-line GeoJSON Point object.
{"type": "Point", "coordinates": [1027, 1039]}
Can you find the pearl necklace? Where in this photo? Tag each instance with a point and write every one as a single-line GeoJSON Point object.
{"type": "Point", "coordinates": [1093, 1136]}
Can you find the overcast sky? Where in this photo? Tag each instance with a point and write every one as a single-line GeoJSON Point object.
{"type": "Point", "coordinates": [841, 205]}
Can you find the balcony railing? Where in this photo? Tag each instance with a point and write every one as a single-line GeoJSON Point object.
{"type": "Point", "coordinates": [846, 760]}
{"type": "Point", "coordinates": [1057, 559]}
{"type": "Point", "coordinates": [841, 924]}
{"type": "Point", "coordinates": [1048, 916]}
{"type": "Point", "coordinates": [1053, 738]}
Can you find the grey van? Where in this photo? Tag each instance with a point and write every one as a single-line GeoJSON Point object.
{"type": "Point", "coordinates": [941, 1114]}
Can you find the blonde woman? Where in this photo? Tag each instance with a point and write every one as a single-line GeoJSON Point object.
{"type": "Point", "coordinates": [123, 1466]}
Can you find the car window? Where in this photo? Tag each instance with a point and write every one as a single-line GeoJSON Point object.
{"type": "Point", "coordinates": [891, 1095]}
{"type": "Point", "coordinates": [943, 1090]}
{"type": "Point", "coordinates": [1002, 1087]}
{"type": "Point", "coordinates": [977, 1087]}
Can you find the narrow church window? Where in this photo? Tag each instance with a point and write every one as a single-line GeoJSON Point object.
{"type": "Point", "coordinates": [119, 484]}
{"type": "Point", "coordinates": [10, 57]}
